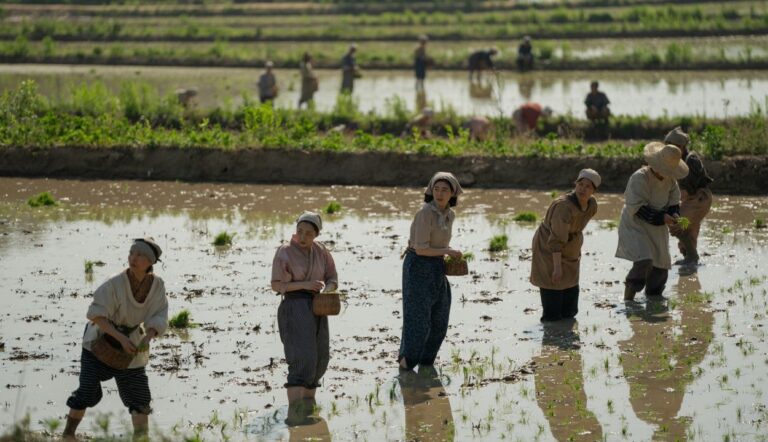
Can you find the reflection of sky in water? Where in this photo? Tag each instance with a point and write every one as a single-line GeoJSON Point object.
{"type": "Point", "coordinates": [43, 257]}
{"type": "Point", "coordinates": [633, 93]}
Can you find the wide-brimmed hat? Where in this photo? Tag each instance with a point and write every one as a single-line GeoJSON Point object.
{"type": "Point", "coordinates": [677, 137]}
{"type": "Point", "coordinates": [667, 160]}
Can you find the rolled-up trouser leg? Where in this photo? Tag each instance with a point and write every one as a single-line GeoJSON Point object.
{"type": "Point", "coordinates": [656, 281]}
{"type": "Point", "coordinates": [133, 387]}
{"type": "Point", "coordinates": [638, 274]}
{"type": "Point", "coordinates": [298, 330]}
{"type": "Point", "coordinates": [92, 374]}
{"type": "Point", "coordinates": [570, 305]}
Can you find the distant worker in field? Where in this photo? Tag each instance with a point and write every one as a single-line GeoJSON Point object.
{"type": "Point", "coordinates": [349, 70]}
{"type": "Point", "coordinates": [186, 97]}
{"type": "Point", "coordinates": [597, 104]}
{"type": "Point", "coordinates": [527, 116]}
{"type": "Point", "coordinates": [267, 84]}
{"type": "Point", "coordinates": [421, 123]}
{"type": "Point", "coordinates": [480, 128]}
{"type": "Point", "coordinates": [480, 61]}
{"type": "Point", "coordinates": [309, 83]}
{"type": "Point", "coordinates": [420, 62]}
{"type": "Point", "coordinates": [525, 55]}
{"type": "Point", "coordinates": [695, 198]}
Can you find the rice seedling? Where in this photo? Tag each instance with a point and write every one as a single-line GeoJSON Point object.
{"type": "Point", "coordinates": [89, 266]}
{"type": "Point", "coordinates": [223, 239]}
{"type": "Point", "coordinates": [183, 319]}
{"type": "Point", "coordinates": [683, 222]}
{"type": "Point", "coordinates": [498, 243]}
{"type": "Point", "coordinates": [465, 257]}
{"type": "Point", "coordinates": [526, 217]}
{"type": "Point", "coordinates": [332, 207]}
{"type": "Point", "coordinates": [42, 199]}
{"type": "Point", "coordinates": [760, 223]}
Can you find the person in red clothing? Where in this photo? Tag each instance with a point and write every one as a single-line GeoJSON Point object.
{"type": "Point", "coordinates": [527, 115]}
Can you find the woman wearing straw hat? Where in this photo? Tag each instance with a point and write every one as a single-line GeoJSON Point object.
{"type": "Point", "coordinates": [115, 345]}
{"type": "Point", "coordinates": [300, 270]}
{"type": "Point", "coordinates": [426, 292]}
{"type": "Point", "coordinates": [557, 248]}
{"type": "Point", "coordinates": [651, 203]}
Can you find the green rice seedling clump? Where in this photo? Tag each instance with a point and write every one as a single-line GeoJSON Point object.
{"type": "Point", "coordinates": [223, 239]}
{"type": "Point", "coordinates": [526, 217]}
{"type": "Point", "coordinates": [42, 199]}
{"type": "Point", "coordinates": [332, 207]}
{"type": "Point", "coordinates": [498, 243]}
{"type": "Point", "coordinates": [183, 319]}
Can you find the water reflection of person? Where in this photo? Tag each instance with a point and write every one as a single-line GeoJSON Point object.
{"type": "Point", "coordinates": [560, 384]}
{"type": "Point", "coordinates": [428, 415]}
{"type": "Point", "coordinates": [421, 99]}
{"type": "Point", "coordinates": [304, 422]}
{"type": "Point", "coordinates": [658, 361]}
{"type": "Point", "coordinates": [525, 87]}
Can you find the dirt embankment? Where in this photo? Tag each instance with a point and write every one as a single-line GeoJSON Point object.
{"type": "Point", "coordinates": [736, 175]}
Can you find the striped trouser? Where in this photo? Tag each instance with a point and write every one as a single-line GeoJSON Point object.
{"type": "Point", "coordinates": [132, 385]}
{"type": "Point", "coordinates": [305, 340]}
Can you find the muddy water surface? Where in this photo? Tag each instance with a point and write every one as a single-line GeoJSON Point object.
{"type": "Point", "coordinates": [693, 365]}
{"type": "Point", "coordinates": [711, 94]}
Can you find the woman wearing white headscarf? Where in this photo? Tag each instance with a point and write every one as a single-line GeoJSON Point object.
{"type": "Point", "coordinates": [651, 203]}
{"type": "Point", "coordinates": [426, 292]}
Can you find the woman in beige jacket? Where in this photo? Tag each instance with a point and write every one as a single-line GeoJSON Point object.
{"type": "Point", "coordinates": [557, 248]}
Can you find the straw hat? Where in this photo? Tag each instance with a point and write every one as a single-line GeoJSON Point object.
{"type": "Point", "coordinates": [665, 159]}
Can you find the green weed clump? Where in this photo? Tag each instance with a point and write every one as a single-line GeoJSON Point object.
{"type": "Point", "coordinates": [526, 217]}
{"type": "Point", "coordinates": [332, 207]}
{"type": "Point", "coordinates": [498, 243]}
{"type": "Point", "coordinates": [223, 239]}
{"type": "Point", "coordinates": [42, 199]}
{"type": "Point", "coordinates": [182, 319]}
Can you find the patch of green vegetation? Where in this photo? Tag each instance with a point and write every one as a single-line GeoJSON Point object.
{"type": "Point", "coordinates": [466, 257]}
{"type": "Point", "coordinates": [683, 222]}
{"type": "Point", "coordinates": [42, 199]}
{"type": "Point", "coordinates": [332, 207]}
{"type": "Point", "coordinates": [526, 217]}
{"type": "Point", "coordinates": [760, 223]}
{"type": "Point", "coordinates": [498, 243]}
{"type": "Point", "coordinates": [183, 319]}
{"type": "Point", "coordinates": [223, 239]}
{"type": "Point", "coordinates": [89, 266]}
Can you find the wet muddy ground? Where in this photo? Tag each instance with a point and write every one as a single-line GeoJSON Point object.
{"type": "Point", "coordinates": [692, 366]}
{"type": "Point", "coordinates": [712, 94]}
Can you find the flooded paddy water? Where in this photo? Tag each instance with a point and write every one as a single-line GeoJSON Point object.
{"type": "Point", "coordinates": [691, 366]}
{"type": "Point", "coordinates": [712, 93]}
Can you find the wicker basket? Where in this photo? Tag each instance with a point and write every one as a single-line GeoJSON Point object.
{"type": "Point", "coordinates": [326, 304]}
{"type": "Point", "coordinates": [107, 350]}
{"type": "Point", "coordinates": [456, 267]}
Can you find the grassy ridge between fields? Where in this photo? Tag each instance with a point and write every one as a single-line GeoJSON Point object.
{"type": "Point", "coordinates": [139, 116]}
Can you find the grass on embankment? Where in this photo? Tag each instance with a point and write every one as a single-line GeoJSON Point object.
{"type": "Point", "coordinates": [140, 117]}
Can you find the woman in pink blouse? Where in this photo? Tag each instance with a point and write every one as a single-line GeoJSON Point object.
{"type": "Point", "coordinates": [301, 269]}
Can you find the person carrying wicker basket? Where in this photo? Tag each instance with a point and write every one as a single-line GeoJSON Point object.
{"type": "Point", "coordinates": [557, 248]}
{"type": "Point", "coordinates": [301, 270]}
{"type": "Point", "coordinates": [127, 312]}
{"type": "Point", "coordinates": [426, 291]}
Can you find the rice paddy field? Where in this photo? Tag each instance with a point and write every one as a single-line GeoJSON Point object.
{"type": "Point", "coordinates": [691, 366]}
{"type": "Point", "coordinates": [101, 74]}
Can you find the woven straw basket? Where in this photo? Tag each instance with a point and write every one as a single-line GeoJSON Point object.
{"type": "Point", "coordinates": [326, 304]}
{"type": "Point", "coordinates": [109, 355]}
{"type": "Point", "coordinates": [456, 268]}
